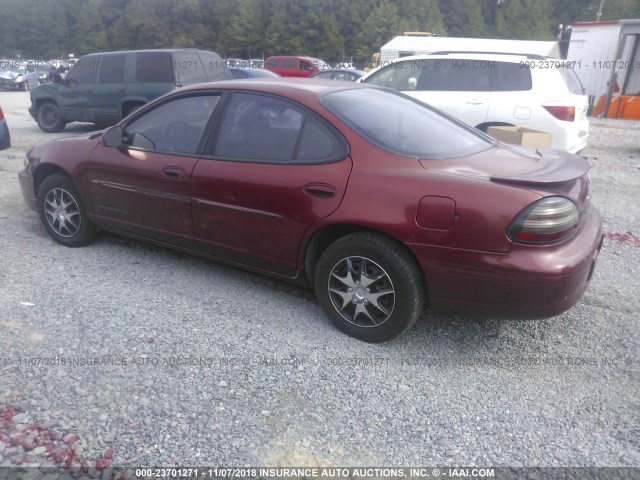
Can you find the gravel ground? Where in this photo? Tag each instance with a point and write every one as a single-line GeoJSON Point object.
{"type": "Point", "coordinates": [210, 365]}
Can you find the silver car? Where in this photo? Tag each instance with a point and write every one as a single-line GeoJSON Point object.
{"type": "Point", "coordinates": [18, 74]}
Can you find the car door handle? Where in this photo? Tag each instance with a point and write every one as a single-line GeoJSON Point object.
{"type": "Point", "coordinates": [475, 102]}
{"type": "Point", "coordinates": [175, 173]}
{"type": "Point", "coordinates": [320, 190]}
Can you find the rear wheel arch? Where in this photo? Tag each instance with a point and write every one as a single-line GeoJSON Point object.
{"type": "Point", "coordinates": [329, 234]}
{"type": "Point", "coordinates": [370, 286]}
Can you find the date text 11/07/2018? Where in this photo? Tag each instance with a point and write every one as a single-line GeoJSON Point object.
{"type": "Point", "coordinates": [313, 472]}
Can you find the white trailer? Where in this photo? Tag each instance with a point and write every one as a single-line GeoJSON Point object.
{"type": "Point", "coordinates": [406, 45]}
{"type": "Point", "coordinates": [598, 50]}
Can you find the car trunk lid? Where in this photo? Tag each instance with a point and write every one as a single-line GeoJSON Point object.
{"type": "Point", "coordinates": [544, 171]}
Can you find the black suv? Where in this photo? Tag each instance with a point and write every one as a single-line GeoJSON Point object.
{"type": "Point", "coordinates": [102, 88]}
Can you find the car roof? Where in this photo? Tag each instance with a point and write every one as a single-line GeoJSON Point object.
{"type": "Point", "coordinates": [303, 57]}
{"type": "Point", "coordinates": [147, 50]}
{"type": "Point", "coordinates": [316, 87]}
{"type": "Point", "coordinates": [345, 70]}
{"type": "Point", "coordinates": [493, 56]}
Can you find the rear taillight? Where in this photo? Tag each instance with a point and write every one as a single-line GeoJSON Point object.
{"type": "Point", "coordinates": [1, 114]}
{"type": "Point", "coordinates": [545, 221]}
{"type": "Point", "coordinates": [567, 114]}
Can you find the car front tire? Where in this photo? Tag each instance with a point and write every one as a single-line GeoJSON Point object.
{"type": "Point", "coordinates": [62, 212]}
{"type": "Point", "coordinates": [370, 287]}
{"type": "Point", "coordinates": [50, 118]}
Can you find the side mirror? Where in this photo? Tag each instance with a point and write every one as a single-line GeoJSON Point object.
{"type": "Point", "coordinates": [112, 137]}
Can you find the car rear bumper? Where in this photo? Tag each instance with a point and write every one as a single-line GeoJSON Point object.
{"type": "Point", "coordinates": [528, 282]}
{"type": "Point", "coordinates": [26, 186]}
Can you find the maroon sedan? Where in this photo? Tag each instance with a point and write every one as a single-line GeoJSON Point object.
{"type": "Point", "coordinates": [379, 202]}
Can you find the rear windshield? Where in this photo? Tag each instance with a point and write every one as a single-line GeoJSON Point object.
{"type": "Point", "coordinates": [571, 79]}
{"type": "Point", "coordinates": [403, 126]}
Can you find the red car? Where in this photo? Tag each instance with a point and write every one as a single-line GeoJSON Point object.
{"type": "Point", "coordinates": [294, 66]}
{"type": "Point", "coordinates": [379, 202]}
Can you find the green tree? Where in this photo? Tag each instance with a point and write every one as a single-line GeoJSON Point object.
{"type": "Point", "coordinates": [614, 10]}
{"type": "Point", "coordinates": [525, 20]}
{"type": "Point", "coordinates": [248, 27]}
{"type": "Point", "coordinates": [463, 18]}
{"type": "Point", "coordinates": [89, 32]}
{"type": "Point", "coordinates": [304, 27]}
{"type": "Point", "coordinates": [380, 26]}
{"type": "Point", "coordinates": [422, 16]}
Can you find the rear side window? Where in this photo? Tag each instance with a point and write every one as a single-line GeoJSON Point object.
{"type": "Point", "coordinates": [288, 63]}
{"type": "Point", "coordinates": [510, 77]}
{"type": "Point", "coordinates": [272, 62]}
{"type": "Point", "coordinates": [399, 75]}
{"type": "Point", "coordinates": [112, 68]}
{"type": "Point", "coordinates": [83, 72]}
{"type": "Point", "coordinates": [318, 142]}
{"type": "Point", "coordinates": [266, 129]}
{"type": "Point", "coordinates": [154, 67]}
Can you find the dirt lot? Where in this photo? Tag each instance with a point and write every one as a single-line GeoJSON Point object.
{"type": "Point", "coordinates": [266, 380]}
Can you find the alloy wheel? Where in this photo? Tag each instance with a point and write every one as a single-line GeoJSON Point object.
{"type": "Point", "coordinates": [361, 291]}
{"type": "Point", "coordinates": [62, 212]}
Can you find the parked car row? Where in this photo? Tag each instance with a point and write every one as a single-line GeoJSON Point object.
{"type": "Point", "coordinates": [480, 89]}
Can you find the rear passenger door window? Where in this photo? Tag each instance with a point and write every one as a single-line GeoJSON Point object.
{"type": "Point", "coordinates": [112, 68]}
{"type": "Point", "coordinates": [510, 77]}
{"type": "Point", "coordinates": [457, 76]}
{"type": "Point", "coordinates": [153, 67]}
{"type": "Point", "coordinates": [266, 129]}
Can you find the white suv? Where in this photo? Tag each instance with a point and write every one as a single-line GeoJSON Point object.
{"type": "Point", "coordinates": [485, 89]}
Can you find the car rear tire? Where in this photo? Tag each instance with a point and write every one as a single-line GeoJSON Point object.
{"type": "Point", "coordinates": [62, 212]}
{"type": "Point", "coordinates": [50, 118]}
{"type": "Point", "coordinates": [370, 287]}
